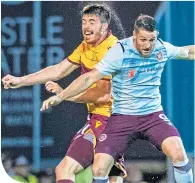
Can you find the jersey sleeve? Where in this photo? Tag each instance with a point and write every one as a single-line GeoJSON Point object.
{"type": "Point", "coordinates": [75, 57]}
{"type": "Point", "coordinates": [172, 51]}
{"type": "Point", "coordinates": [112, 61]}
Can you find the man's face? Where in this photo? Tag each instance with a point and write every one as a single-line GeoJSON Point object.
{"type": "Point", "coordinates": [91, 28]}
{"type": "Point", "coordinates": [144, 41]}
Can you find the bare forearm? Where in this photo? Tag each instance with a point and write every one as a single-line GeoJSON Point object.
{"type": "Point", "coordinates": [75, 98]}
{"type": "Point", "coordinates": [91, 96]}
{"type": "Point", "coordinates": [42, 76]}
{"type": "Point", "coordinates": [53, 73]}
{"type": "Point", "coordinates": [76, 87]}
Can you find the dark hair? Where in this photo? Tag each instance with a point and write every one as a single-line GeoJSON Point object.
{"type": "Point", "coordinates": [100, 10]}
{"type": "Point", "coordinates": [145, 22]}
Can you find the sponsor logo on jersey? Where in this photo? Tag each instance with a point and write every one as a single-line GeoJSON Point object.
{"type": "Point", "coordinates": [152, 69]}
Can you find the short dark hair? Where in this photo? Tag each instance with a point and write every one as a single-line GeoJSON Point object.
{"type": "Point", "coordinates": [145, 22]}
{"type": "Point", "coordinates": [100, 10]}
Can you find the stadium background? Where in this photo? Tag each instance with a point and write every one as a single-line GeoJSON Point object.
{"type": "Point", "coordinates": [38, 34]}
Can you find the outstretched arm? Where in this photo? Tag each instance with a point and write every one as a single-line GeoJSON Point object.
{"type": "Point", "coordinates": [81, 84]}
{"type": "Point", "coordinates": [78, 86]}
{"type": "Point", "coordinates": [186, 52]}
{"type": "Point", "coordinates": [54, 72]}
{"type": "Point", "coordinates": [100, 93]}
{"type": "Point", "coordinates": [109, 64]}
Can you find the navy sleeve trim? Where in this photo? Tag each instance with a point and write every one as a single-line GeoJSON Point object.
{"type": "Point", "coordinates": [122, 46]}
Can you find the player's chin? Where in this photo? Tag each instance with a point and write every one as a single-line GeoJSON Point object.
{"type": "Point", "coordinates": [146, 54]}
{"type": "Point", "coordinates": [89, 41]}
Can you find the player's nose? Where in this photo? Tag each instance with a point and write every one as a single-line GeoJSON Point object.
{"type": "Point", "coordinates": [147, 46]}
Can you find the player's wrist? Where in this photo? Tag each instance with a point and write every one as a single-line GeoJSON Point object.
{"type": "Point", "coordinates": [22, 81]}
{"type": "Point", "coordinates": [59, 97]}
{"type": "Point", "coordinates": [19, 81]}
{"type": "Point", "coordinates": [59, 91]}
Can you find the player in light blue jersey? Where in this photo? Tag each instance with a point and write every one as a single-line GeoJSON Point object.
{"type": "Point", "coordinates": [136, 65]}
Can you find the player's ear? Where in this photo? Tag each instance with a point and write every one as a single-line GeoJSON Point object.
{"type": "Point", "coordinates": [104, 27]}
{"type": "Point", "coordinates": [134, 34]}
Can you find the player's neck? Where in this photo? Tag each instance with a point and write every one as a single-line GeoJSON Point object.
{"type": "Point", "coordinates": [134, 45]}
{"type": "Point", "coordinates": [103, 37]}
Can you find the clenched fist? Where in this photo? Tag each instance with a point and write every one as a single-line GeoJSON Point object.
{"type": "Point", "coordinates": [10, 81]}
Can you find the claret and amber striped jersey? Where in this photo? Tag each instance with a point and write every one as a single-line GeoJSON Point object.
{"type": "Point", "coordinates": [87, 56]}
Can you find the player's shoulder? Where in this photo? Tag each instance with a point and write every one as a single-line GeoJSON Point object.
{"type": "Point", "coordinates": [164, 46]}
{"type": "Point", "coordinates": [111, 37]}
{"type": "Point", "coordinates": [82, 47]}
{"type": "Point", "coordinates": [160, 44]}
{"type": "Point", "coordinates": [111, 40]}
{"type": "Point", "coordinates": [127, 43]}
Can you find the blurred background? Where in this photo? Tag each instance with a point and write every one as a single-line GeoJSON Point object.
{"type": "Point", "coordinates": [38, 34]}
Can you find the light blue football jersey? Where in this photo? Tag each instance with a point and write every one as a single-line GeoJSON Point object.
{"type": "Point", "coordinates": [136, 79]}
